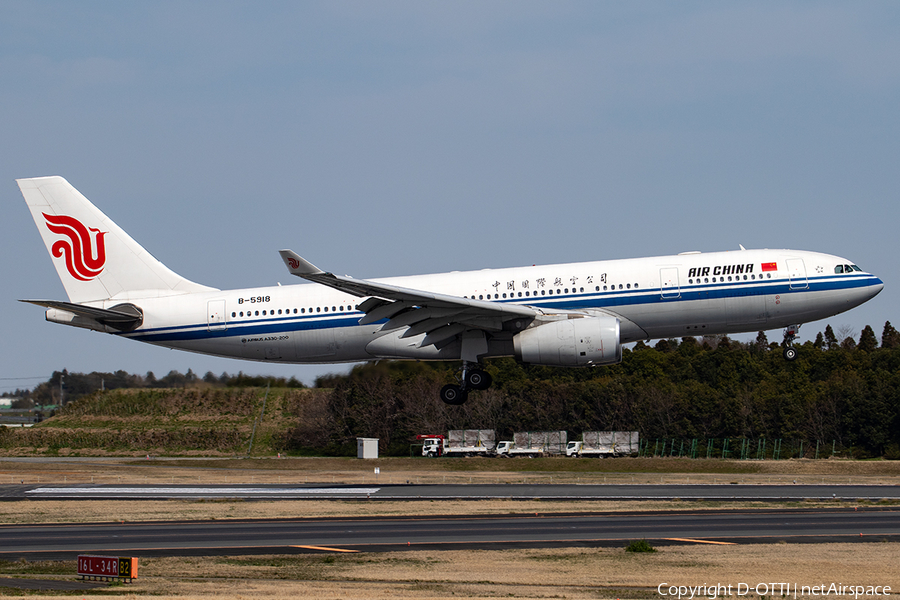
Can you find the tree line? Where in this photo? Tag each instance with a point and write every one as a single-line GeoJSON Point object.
{"type": "Point", "coordinates": [840, 390]}
{"type": "Point", "coordinates": [63, 387]}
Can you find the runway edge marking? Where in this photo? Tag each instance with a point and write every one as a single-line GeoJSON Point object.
{"type": "Point", "coordinates": [700, 541]}
{"type": "Point", "coordinates": [325, 548]}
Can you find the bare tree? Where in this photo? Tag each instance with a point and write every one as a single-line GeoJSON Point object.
{"type": "Point", "coordinates": [844, 332]}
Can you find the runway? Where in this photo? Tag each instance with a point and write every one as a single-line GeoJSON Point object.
{"type": "Point", "coordinates": [841, 523]}
{"type": "Point", "coordinates": [722, 492]}
{"type": "Point", "coordinates": [291, 536]}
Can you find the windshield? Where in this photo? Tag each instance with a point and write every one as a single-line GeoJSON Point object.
{"type": "Point", "coordinates": [846, 269]}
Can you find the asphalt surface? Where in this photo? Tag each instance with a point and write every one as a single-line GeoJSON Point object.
{"type": "Point", "coordinates": [451, 491]}
{"type": "Point", "coordinates": [285, 536]}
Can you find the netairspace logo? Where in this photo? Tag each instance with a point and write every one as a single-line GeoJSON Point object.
{"type": "Point", "coordinates": [719, 590]}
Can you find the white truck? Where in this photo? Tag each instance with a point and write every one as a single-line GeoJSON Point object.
{"type": "Point", "coordinates": [604, 443]}
{"type": "Point", "coordinates": [533, 444]}
{"type": "Point", "coordinates": [459, 442]}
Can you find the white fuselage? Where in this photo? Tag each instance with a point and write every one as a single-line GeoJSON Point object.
{"type": "Point", "coordinates": [661, 297]}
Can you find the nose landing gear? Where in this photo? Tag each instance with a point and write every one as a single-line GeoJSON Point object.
{"type": "Point", "coordinates": [472, 377]}
{"type": "Point", "coordinates": [790, 334]}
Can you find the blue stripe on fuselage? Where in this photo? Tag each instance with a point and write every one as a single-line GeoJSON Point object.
{"type": "Point", "coordinates": [610, 299]}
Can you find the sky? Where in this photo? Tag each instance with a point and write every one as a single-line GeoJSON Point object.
{"type": "Point", "coordinates": [399, 138]}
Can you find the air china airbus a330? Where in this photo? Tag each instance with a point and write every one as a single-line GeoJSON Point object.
{"type": "Point", "coordinates": [571, 315]}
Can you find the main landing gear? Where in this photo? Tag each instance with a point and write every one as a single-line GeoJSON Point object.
{"type": "Point", "coordinates": [790, 334]}
{"type": "Point", "coordinates": [473, 377]}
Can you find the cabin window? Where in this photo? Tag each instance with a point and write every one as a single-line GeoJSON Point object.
{"type": "Point", "coordinates": [318, 309]}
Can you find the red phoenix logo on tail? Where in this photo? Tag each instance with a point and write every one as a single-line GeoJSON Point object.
{"type": "Point", "coordinates": [84, 261]}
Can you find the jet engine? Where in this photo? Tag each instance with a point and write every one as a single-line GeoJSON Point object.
{"type": "Point", "coordinates": [571, 343]}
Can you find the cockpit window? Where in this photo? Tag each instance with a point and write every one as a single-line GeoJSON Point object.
{"type": "Point", "coordinates": [846, 269]}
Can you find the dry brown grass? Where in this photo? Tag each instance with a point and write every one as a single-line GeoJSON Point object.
{"type": "Point", "coordinates": [88, 511]}
{"type": "Point", "coordinates": [536, 573]}
{"type": "Point", "coordinates": [229, 470]}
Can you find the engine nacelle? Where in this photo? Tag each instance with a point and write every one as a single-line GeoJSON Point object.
{"type": "Point", "coordinates": [571, 343]}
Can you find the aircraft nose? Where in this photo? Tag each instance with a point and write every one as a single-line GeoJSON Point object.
{"type": "Point", "coordinates": [876, 286]}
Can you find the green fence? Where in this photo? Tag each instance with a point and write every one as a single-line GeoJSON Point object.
{"type": "Point", "coordinates": [740, 448]}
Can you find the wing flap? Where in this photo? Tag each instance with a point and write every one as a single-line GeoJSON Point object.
{"type": "Point", "coordinates": [417, 315]}
{"type": "Point", "coordinates": [442, 334]}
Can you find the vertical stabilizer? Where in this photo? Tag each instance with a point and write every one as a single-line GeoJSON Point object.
{"type": "Point", "coordinates": [94, 257]}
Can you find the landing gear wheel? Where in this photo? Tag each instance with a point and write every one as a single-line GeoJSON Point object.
{"type": "Point", "coordinates": [790, 334]}
{"type": "Point", "coordinates": [476, 379]}
{"type": "Point", "coordinates": [453, 394]}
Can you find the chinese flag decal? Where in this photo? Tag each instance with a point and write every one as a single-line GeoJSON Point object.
{"type": "Point", "coordinates": [769, 267]}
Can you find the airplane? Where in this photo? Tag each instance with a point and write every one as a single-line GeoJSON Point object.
{"type": "Point", "coordinates": [568, 315]}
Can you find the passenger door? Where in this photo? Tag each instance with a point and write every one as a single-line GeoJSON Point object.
{"type": "Point", "coordinates": [215, 312]}
{"type": "Point", "coordinates": [668, 278]}
{"type": "Point", "coordinates": [797, 274]}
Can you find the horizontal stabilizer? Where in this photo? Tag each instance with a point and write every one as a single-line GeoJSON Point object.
{"type": "Point", "coordinates": [124, 317]}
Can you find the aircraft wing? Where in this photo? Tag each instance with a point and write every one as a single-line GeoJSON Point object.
{"type": "Point", "coordinates": [441, 317]}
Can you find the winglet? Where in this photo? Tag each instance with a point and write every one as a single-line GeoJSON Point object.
{"type": "Point", "coordinates": [298, 265]}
